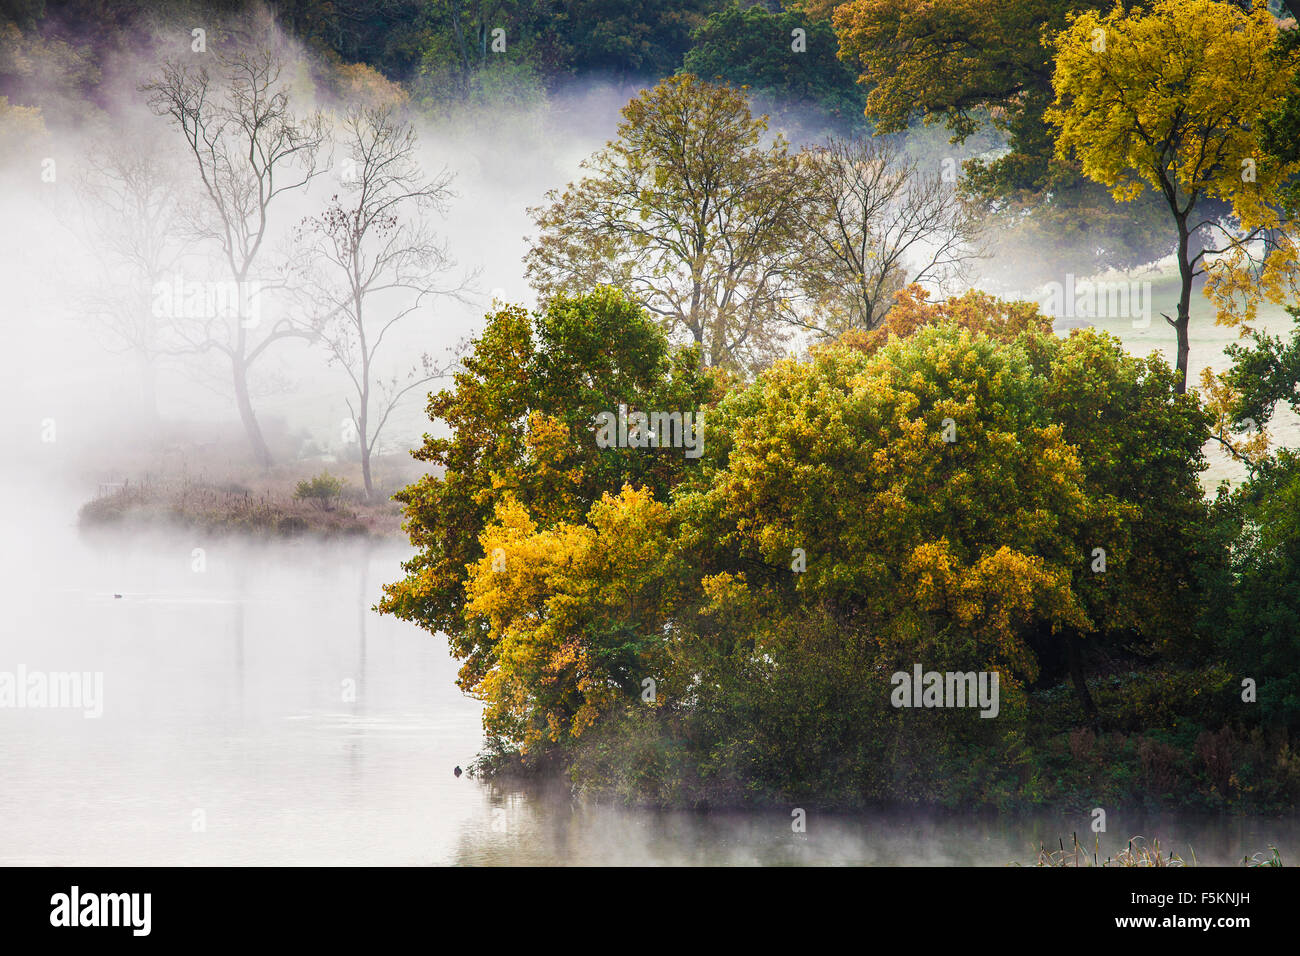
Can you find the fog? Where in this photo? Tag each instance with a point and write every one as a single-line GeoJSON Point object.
{"type": "Point", "coordinates": [73, 394]}
{"type": "Point", "coordinates": [257, 713]}
{"type": "Point", "coordinates": [67, 369]}
{"type": "Point", "coordinates": [254, 708]}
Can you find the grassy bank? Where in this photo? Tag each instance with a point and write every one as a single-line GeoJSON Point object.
{"type": "Point", "coordinates": [210, 485]}
{"type": "Point", "coordinates": [1140, 852]}
{"type": "Point", "coordinates": [268, 508]}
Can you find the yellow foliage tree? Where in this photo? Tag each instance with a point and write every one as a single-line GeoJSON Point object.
{"type": "Point", "coordinates": [1168, 98]}
{"type": "Point", "coordinates": [576, 614]}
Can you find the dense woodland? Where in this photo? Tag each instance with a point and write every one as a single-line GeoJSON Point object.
{"type": "Point", "coordinates": [898, 468]}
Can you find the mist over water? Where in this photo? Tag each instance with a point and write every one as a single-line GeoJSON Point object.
{"type": "Point", "coordinates": [224, 705]}
{"type": "Point", "coordinates": [258, 711]}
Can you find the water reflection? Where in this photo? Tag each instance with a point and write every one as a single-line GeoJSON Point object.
{"type": "Point", "coordinates": [257, 712]}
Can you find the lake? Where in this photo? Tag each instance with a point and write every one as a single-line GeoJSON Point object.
{"type": "Point", "coordinates": [256, 711]}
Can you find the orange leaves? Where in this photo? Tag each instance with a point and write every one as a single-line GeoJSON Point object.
{"type": "Point", "coordinates": [974, 310]}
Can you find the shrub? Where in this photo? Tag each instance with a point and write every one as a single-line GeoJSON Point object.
{"type": "Point", "coordinates": [321, 492]}
{"type": "Point", "coordinates": [1159, 765]}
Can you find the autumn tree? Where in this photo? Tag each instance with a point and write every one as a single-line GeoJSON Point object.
{"type": "Point", "coordinates": [251, 150]}
{"type": "Point", "coordinates": [871, 473]}
{"type": "Point", "coordinates": [892, 455]}
{"type": "Point", "coordinates": [1169, 99]}
{"type": "Point", "coordinates": [974, 66]}
{"type": "Point", "coordinates": [878, 222]}
{"type": "Point", "coordinates": [690, 213]}
{"type": "Point", "coordinates": [520, 415]}
{"type": "Point", "coordinates": [575, 614]}
{"type": "Point", "coordinates": [972, 493]}
{"type": "Point", "coordinates": [1141, 445]}
{"type": "Point", "coordinates": [974, 310]}
{"type": "Point", "coordinates": [369, 260]}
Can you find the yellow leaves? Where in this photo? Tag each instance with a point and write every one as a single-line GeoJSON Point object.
{"type": "Point", "coordinates": [1174, 101]}
{"type": "Point", "coordinates": [20, 127]}
{"type": "Point", "coordinates": [1124, 191]}
{"type": "Point", "coordinates": [547, 439]}
{"type": "Point", "coordinates": [933, 567]}
{"type": "Point", "coordinates": [1236, 283]}
{"type": "Point", "coordinates": [1219, 398]}
{"type": "Point", "coordinates": [549, 447]}
{"type": "Point", "coordinates": [994, 595]}
{"type": "Point", "coordinates": [1172, 97]}
{"type": "Point", "coordinates": [549, 596]}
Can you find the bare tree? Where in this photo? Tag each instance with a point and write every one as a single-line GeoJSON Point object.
{"type": "Point", "coordinates": [250, 149]}
{"type": "Point", "coordinates": [370, 260]}
{"type": "Point", "coordinates": [878, 223]}
{"type": "Point", "coordinates": [129, 218]}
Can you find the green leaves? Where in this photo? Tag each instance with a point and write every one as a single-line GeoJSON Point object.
{"type": "Point", "coordinates": [691, 215]}
{"type": "Point", "coordinates": [520, 421]}
{"type": "Point", "coordinates": [935, 496]}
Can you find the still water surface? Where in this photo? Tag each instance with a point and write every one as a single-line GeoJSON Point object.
{"type": "Point", "coordinates": [258, 712]}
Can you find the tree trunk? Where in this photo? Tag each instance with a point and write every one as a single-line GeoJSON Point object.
{"type": "Point", "coordinates": [364, 427]}
{"type": "Point", "coordinates": [365, 473]}
{"type": "Point", "coordinates": [261, 454]}
{"type": "Point", "coordinates": [461, 51]}
{"type": "Point", "coordinates": [1182, 323]}
{"type": "Point", "coordinates": [1075, 661]}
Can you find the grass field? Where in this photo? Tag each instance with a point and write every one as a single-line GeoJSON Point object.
{"type": "Point", "coordinates": [1208, 341]}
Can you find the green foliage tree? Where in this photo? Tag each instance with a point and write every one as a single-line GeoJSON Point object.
{"type": "Point", "coordinates": [637, 37]}
{"type": "Point", "coordinates": [748, 45]}
{"type": "Point", "coordinates": [692, 215]}
{"type": "Point", "coordinates": [520, 416]}
{"type": "Point", "coordinates": [1264, 374]}
{"type": "Point", "coordinates": [1258, 620]}
{"type": "Point", "coordinates": [321, 491]}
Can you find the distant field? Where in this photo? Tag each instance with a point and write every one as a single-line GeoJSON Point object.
{"type": "Point", "coordinates": [1208, 343]}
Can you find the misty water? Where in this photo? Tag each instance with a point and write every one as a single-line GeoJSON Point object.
{"type": "Point", "coordinates": [229, 733]}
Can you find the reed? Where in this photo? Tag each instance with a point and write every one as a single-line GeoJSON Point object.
{"type": "Point", "coordinates": [1139, 852]}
